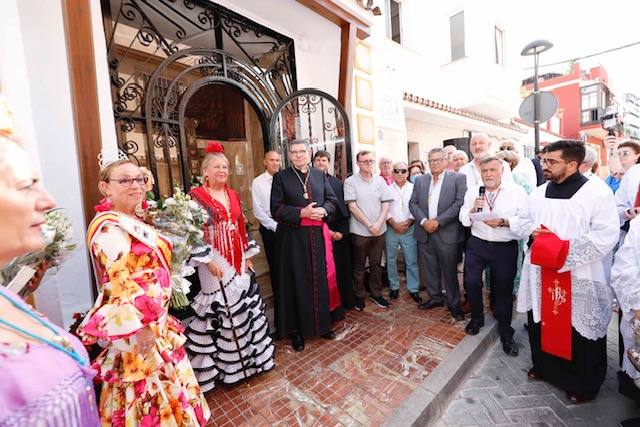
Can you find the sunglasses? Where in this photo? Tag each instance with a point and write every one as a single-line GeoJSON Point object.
{"type": "Point", "coordinates": [399, 171]}
{"type": "Point", "coordinates": [507, 148]}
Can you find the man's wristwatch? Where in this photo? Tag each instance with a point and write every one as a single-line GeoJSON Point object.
{"type": "Point", "coordinates": [502, 223]}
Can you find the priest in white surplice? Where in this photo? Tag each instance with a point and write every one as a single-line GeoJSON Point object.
{"type": "Point", "coordinates": [568, 301]}
{"type": "Point", "coordinates": [625, 279]}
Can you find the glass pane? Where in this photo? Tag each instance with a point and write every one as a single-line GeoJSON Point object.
{"type": "Point", "coordinates": [456, 24]}
{"type": "Point", "coordinates": [394, 15]}
{"type": "Point", "coordinates": [317, 120]}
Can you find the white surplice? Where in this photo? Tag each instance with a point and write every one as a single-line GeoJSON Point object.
{"type": "Point", "coordinates": [589, 221]}
{"type": "Point", "coordinates": [625, 279]}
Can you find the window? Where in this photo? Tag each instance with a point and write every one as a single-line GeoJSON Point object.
{"type": "Point", "coordinates": [593, 100]}
{"type": "Point", "coordinates": [393, 21]}
{"type": "Point", "coordinates": [456, 26]}
{"type": "Point", "coordinates": [498, 40]}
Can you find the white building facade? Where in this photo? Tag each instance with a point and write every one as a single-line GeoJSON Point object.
{"type": "Point", "coordinates": [441, 70]}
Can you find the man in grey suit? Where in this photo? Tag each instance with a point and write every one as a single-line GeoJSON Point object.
{"type": "Point", "coordinates": [435, 204]}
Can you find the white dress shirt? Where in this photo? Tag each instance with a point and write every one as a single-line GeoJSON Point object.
{"type": "Point", "coordinates": [472, 173]}
{"type": "Point", "coordinates": [509, 201]}
{"type": "Point", "coordinates": [626, 194]}
{"type": "Point", "coordinates": [399, 208]}
{"type": "Point", "coordinates": [261, 198]}
{"type": "Point", "coordinates": [434, 195]}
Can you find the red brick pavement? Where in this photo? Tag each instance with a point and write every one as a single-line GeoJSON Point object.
{"type": "Point", "coordinates": [379, 357]}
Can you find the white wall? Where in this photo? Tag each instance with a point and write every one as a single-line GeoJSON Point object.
{"type": "Point", "coordinates": [36, 78]}
{"type": "Point", "coordinates": [316, 40]}
{"type": "Point", "coordinates": [423, 60]}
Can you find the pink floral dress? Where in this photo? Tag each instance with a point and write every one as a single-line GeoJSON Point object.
{"type": "Point", "coordinates": [157, 387]}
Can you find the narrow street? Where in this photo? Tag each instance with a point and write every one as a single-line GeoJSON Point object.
{"type": "Point", "coordinates": [499, 393]}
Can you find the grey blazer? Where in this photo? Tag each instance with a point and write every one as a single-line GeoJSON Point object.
{"type": "Point", "coordinates": [454, 187]}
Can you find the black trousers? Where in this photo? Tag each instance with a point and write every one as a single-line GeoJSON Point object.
{"type": "Point", "coordinates": [502, 258]}
{"type": "Point", "coordinates": [268, 237]}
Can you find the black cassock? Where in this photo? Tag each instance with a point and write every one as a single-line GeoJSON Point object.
{"type": "Point", "coordinates": [302, 294]}
{"type": "Point", "coordinates": [342, 248]}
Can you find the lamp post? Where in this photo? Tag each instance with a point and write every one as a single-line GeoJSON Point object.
{"type": "Point", "coordinates": [535, 48]}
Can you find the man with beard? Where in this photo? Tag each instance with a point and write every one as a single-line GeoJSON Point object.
{"type": "Point", "coordinates": [305, 279]}
{"type": "Point", "coordinates": [573, 223]}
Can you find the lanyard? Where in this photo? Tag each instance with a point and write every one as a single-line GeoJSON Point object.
{"type": "Point", "coordinates": [491, 203]}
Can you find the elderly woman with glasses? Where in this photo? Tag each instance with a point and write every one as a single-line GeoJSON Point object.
{"type": "Point", "coordinates": [45, 374]}
{"type": "Point", "coordinates": [147, 378]}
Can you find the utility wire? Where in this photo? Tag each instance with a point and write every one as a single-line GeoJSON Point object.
{"type": "Point", "coordinates": [586, 56]}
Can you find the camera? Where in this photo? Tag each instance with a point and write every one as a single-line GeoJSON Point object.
{"type": "Point", "coordinates": [611, 120]}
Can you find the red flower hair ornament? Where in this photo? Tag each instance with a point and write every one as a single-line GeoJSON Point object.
{"type": "Point", "coordinates": [214, 147]}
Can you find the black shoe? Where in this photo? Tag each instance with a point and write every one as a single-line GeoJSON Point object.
{"type": "Point", "coordinates": [457, 315]}
{"type": "Point", "coordinates": [381, 302]}
{"type": "Point", "coordinates": [473, 327]}
{"type": "Point", "coordinates": [394, 294]}
{"type": "Point", "coordinates": [431, 304]}
{"type": "Point", "coordinates": [510, 347]}
{"type": "Point", "coordinates": [577, 399]}
{"type": "Point", "coordinates": [533, 374]}
{"type": "Point", "coordinates": [329, 335]}
{"type": "Point", "coordinates": [297, 342]}
{"type": "Point", "coordinates": [359, 304]}
{"type": "Point", "coordinates": [416, 297]}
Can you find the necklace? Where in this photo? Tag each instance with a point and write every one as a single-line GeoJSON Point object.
{"type": "Point", "coordinates": [305, 192]}
{"type": "Point", "coordinates": [59, 342]}
{"type": "Point", "coordinates": [227, 208]}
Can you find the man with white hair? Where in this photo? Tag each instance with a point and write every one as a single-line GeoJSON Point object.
{"type": "Point", "coordinates": [479, 146]}
{"type": "Point", "coordinates": [590, 157]}
{"type": "Point", "coordinates": [459, 159]}
{"type": "Point", "coordinates": [448, 151]}
{"type": "Point", "coordinates": [525, 167]}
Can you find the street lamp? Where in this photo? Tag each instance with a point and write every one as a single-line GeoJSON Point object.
{"type": "Point", "coordinates": [535, 48]}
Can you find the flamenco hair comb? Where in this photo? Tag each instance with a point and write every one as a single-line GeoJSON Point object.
{"type": "Point", "coordinates": [214, 147]}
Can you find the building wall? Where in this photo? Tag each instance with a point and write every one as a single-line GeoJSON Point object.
{"type": "Point", "coordinates": [35, 79]}
{"type": "Point", "coordinates": [569, 100]}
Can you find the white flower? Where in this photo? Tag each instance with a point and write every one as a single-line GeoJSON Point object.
{"type": "Point", "coordinates": [193, 205]}
{"type": "Point", "coordinates": [170, 202]}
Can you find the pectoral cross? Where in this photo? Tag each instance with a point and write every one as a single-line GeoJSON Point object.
{"type": "Point", "coordinates": [558, 295]}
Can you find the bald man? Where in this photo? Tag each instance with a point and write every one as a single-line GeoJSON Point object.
{"type": "Point", "coordinates": [480, 146]}
{"type": "Point", "coordinates": [261, 198]}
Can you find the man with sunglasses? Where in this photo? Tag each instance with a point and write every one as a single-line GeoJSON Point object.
{"type": "Point", "coordinates": [525, 167]}
{"type": "Point", "coordinates": [563, 289]}
{"type": "Point", "coordinates": [400, 234]}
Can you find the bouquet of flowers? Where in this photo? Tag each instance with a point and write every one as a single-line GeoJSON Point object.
{"type": "Point", "coordinates": [57, 231]}
{"type": "Point", "coordinates": [181, 220]}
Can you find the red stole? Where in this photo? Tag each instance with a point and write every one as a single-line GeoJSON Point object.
{"type": "Point", "coordinates": [550, 252]}
{"type": "Point", "coordinates": [332, 282]}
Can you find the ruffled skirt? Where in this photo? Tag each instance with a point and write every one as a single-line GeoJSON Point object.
{"type": "Point", "coordinates": [159, 388]}
{"type": "Point", "coordinates": [228, 340]}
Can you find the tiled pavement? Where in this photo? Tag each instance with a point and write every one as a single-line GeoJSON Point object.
{"type": "Point", "coordinates": [498, 393]}
{"type": "Point", "coordinates": [378, 359]}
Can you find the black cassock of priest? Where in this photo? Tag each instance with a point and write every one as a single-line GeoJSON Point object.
{"type": "Point", "coordinates": [305, 278]}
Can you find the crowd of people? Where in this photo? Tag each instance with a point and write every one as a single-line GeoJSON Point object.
{"type": "Point", "coordinates": [546, 233]}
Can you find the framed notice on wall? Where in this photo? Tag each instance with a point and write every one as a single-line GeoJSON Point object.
{"type": "Point", "coordinates": [366, 129]}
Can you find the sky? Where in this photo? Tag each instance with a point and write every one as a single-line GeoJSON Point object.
{"type": "Point", "coordinates": [578, 28]}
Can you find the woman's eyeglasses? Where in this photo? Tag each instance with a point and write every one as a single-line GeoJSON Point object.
{"type": "Point", "coordinates": [128, 182]}
{"type": "Point", "coordinates": [399, 171]}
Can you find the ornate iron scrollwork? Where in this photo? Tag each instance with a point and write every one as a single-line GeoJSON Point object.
{"type": "Point", "coordinates": [142, 36]}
